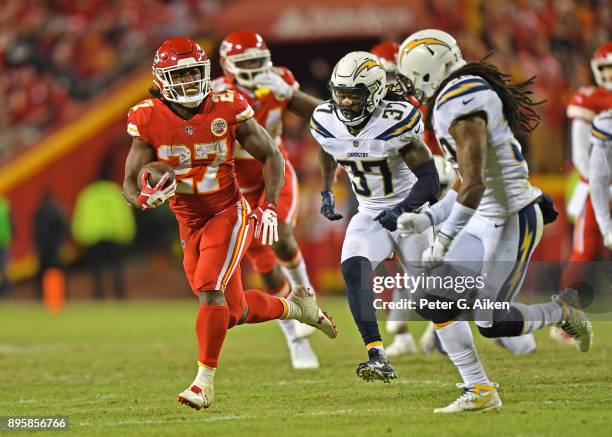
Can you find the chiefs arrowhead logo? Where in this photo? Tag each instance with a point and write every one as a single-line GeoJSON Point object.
{"type": "Point", "coordinates": [218, 127]}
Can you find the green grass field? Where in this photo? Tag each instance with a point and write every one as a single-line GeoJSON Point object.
{"type": "Point", "coordinates": [115, 369]}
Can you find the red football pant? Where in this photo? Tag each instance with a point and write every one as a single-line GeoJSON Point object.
{"type": "Point", "coordinates": [262, 257]}
{"type": "Point", "coordinates": [587, 246]}
{"type": "Point", "coordinates": [212, 255]}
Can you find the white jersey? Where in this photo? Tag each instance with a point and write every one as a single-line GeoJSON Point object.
{"type": "Point", "coordinates": [600, 169]}
{"type": "Point", "coordinates": [380, 177]}
{"type": "Point", "coordinates": [507, 188]}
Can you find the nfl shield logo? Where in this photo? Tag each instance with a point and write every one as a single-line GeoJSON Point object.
{"type": "Point", "coordinates": [188, 130]}
{"type": "Point", "coordinates": [355, 143]}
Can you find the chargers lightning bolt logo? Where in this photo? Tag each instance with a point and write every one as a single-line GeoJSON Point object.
{"type": "Point", "coordinates": [366, 65]}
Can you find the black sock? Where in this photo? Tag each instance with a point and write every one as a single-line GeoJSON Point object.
{"type": "Point", "coordinates": [357, 272]}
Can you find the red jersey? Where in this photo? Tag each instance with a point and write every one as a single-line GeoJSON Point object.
{"type": "Point", "coordinates": [588, 102]}
{"type": "Point", "coordinates": [428, 136]}
{"type": "Point", "coordinates": [269, 113]}
{"type": "Point", "coordinates": [201, 150]}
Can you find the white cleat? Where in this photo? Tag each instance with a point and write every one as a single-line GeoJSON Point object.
{"type": "Point", "coordinates": [302, 355]}
{"type": "Point", "coordinates": [478, 397]}
{"type": "Point", "coordinates": [302, 330]}
{"type": "Point", "coordinates": [403, 344]}
{"type": "Point", "coordinates": [309, 311]}
{"type": "Point", "coordinates": [575, 322]}
{"type": "Point", "coordinates": [197, 398]}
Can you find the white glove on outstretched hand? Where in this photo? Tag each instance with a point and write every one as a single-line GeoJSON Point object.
{"type": "Point", "coordinates": [410, 223]}
{"type": "Point", "coordinates": [274, 83]}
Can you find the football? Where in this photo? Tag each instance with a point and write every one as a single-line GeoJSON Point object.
{"type": "Point", "coordinates": [156, 169]}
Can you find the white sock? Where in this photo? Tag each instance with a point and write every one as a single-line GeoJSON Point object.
{"type": "Point", "coordinates": [205, 376]}
{"type": "Point", "coordinates": [458, 343]}
{"type": "Point", "coordinates": [288, 328]}
{"type": "Point", "coordinates": [539, 315]}
{"type": "Point", "coordinates": [297, 274]}
{"type": "Point", "coordinates": [521, 345]}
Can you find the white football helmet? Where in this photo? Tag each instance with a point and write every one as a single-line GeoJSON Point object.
{"type": "Point", "coordinates": [359, 79]}
{"type": "Point", "coordinates": [425, 59]}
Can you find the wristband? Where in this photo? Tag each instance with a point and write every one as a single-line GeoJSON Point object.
{"type": "Point", "coordinates": [459, 217]}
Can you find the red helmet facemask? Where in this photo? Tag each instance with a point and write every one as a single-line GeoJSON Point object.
{"type": "Point", "coordinates": [602, 58]}
{"type": "Point", "coordinates": [182, 71]}
{"type": "Point", "coordinates": [244, 47]}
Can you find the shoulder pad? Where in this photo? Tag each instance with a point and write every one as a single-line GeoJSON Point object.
{"type": "Point", "coordinates": [320, 119]}
{"type": "Point", "coordinates": [406, 120]}
{"type": "Point", "coordinates": [461, 87]}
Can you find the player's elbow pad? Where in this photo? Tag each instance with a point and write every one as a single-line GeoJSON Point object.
{"type": "Point", "coordinates": [425, 188]}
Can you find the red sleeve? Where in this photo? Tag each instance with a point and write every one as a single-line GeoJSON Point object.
{"type": "Point", "coordinates": [583, 104]}
{"type": "Point", "coordinates": [241, 110]}
{"type": "Point", "coordinates": [287, 76]}
{"type": "Point", "coordinates": [138, 118]}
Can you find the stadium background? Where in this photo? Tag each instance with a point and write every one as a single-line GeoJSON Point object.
{"type": "Point", "coordinates": [72, 69]}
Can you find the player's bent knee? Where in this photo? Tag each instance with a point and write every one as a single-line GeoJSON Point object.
{"type": "Point", "coordinates": [356, 272]}
{"type": "Point", "coordinates": [211, 297]}
{"type": "Point", "coordinates": [505, 328]}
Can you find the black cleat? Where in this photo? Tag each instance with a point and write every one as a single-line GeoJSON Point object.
{"type": "Point", "coordinates": [377, 367]}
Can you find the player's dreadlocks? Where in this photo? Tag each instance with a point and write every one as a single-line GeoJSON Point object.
{"type": "Point", "coordinates": [515, 97]}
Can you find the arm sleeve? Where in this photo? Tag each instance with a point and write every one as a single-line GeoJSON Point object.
{"type": "Point", "coordinates": [242, 109]}
{"type": "Point", "coordinates": [424, 189]}
{"type": "Point", "coordinates": [599, 187]}
{"type": "Point", "coordinates": [581, 146]}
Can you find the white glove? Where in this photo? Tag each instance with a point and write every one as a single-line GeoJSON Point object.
{"type": "Point", "coordinates": [152, 197]}
{"type": "Point", "coordinates": [274, 83]}
{"type": "Point", "coordinates": [410, 223]}
{"type": "Point", "coordinates": [266, 224]}
{"type": "Point", "coordinates": [607, 239]}
{"type": "Point", "coordinates": [434, 256]}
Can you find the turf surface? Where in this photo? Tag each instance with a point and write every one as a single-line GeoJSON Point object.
{"type": "Point", "coordinates": [116, 368]}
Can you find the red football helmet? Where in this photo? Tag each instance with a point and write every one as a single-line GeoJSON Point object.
{"type": "Point", "coordinates": [386, 52]}
{"type": "Point", "coordinates": [244, 54]}
{"type": "Point", "coordinates": [602, 58]}
{"type": "Point", "coordinates": [178, 58]}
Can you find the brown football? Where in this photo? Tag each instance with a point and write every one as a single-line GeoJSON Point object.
{"type": "Point", "coordinates": [156, 170]}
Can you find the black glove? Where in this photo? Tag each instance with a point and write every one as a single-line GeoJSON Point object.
{"type": "Point", "coordinates": [388, 218]}
{"type": "Point", "coordinates": [327, 206]}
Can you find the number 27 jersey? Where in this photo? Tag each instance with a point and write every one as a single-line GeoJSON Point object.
{"type": "Point", "coordinates": [372, 159]}
{"type": "Point", "coordinates": [201, 150]}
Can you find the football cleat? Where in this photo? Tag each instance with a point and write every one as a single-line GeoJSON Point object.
{"type": "Point", "coordinates": [377, 367]}
{"type": "Point", "coordinates": [402, 344]}
{"type": "Point", "coordinates": [302, 355]}
{"type": "Point", "coordinates": [310, 313]}
{"type": "Point", "coordinates": [476, 397]}
{"type": "Point", "coordinates": [197, 398]}
{"type": "Point", "coordinates": [575, 322]}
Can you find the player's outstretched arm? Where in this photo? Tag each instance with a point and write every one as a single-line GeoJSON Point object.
{"type": "Point", "coordinates": [418, 158]}
{"type": "Point", "coordinates": [470, 135]}
{"type": "Point", "coordinates": [599, 178]}
{"type": "Point", "coordinates": [140, 154]}
{"type": "Point", "coordinates": [303, 104]}
{"type": "Point", "coordinates": [256, 140]}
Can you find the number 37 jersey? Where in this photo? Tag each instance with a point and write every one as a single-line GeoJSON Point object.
{"type": "Point", "coordinates": [372, 159]}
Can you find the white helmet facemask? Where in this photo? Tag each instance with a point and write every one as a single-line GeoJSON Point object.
{"type": "Point", "coordinates": [358, 80]}
{"type": "Point", "coordinates": [189, 94]}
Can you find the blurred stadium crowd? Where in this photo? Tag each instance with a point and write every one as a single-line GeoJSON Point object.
{"type": "Point", "coordinates": [55, 55]}
{"type": "Point", "coordinates": [59, 56]}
